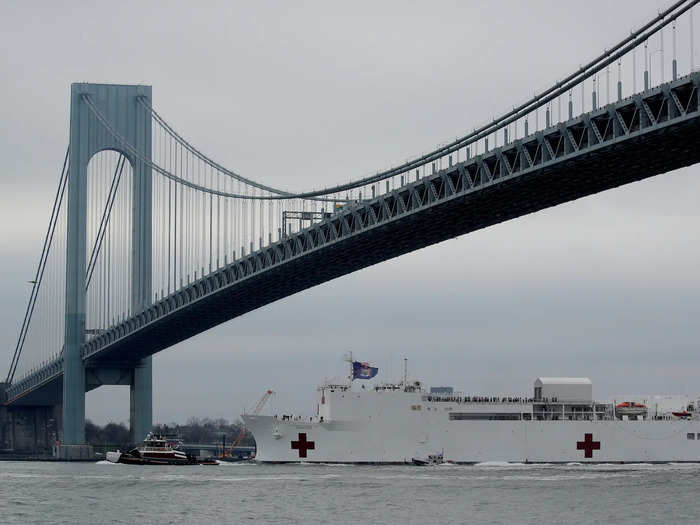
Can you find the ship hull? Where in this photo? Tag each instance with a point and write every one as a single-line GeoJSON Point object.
{"type": "Point", "coordinates": [398, 440]}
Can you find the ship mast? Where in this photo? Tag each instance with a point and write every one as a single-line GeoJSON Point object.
{"type": "Point", "coordinates": [348, 358]}
{"type": "Point", "coordinates": [405, 372]}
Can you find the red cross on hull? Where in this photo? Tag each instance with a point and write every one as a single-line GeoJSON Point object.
{"type": "Point", "coordinates": [588, 445]}
{"type": "Point", "coordinates": [302, 445]}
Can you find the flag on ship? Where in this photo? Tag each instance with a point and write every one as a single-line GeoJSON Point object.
{"type": "Point", "coordinates": [363, 370]}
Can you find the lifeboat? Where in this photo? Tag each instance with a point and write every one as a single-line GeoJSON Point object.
{"type": "Point", "coordinates": [631, 408]}
{"type": "Point", "coordinates": [683, 414]}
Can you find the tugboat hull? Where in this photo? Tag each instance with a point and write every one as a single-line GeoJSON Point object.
{"type": "Point", "coordinates": [113, 456]}
{"type": "Point", "coordinates": [133, 460]}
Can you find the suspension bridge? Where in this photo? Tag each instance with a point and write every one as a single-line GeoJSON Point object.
{"type": "Point", "coordinates": [151, 242]}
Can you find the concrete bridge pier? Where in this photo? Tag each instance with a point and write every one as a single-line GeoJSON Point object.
{"type": "Point", "coordinates": [34, 426]}
{"type": "Point", "coordinates": [139, 378]}
{"type": "Point", "coordinates": [29, 430]}
{"type": "Point", "coordinates": [141, 400]}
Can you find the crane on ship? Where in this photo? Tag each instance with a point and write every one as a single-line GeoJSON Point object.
{"type": "Point", "coordinates": [228, 454]}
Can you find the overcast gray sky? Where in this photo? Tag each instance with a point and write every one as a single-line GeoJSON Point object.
{"type": "Point", "coordinates": [299, 94]}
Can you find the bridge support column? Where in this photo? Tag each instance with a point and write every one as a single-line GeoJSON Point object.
{"type": "Point", "coordinates": [141, 401]}
{"type": "Point", "coordinates": [73, 368]}
{"type": "Point", "coordinates": [119, 105]}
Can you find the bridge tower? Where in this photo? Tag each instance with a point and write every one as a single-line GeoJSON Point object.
{"type": "Point", "coordinates": [120, 106]}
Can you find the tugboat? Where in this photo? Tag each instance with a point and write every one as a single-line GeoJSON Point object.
{"type": "Point", "coordinates": [432, 459]}
{"type": "Point", "coordinates": [155, 450]}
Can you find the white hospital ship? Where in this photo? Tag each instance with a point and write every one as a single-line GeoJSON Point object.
{"type": "Point", "coordinates": [559, 423]}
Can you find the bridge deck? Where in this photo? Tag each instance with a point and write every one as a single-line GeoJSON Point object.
{"type": "Point", "coordinates": [652, 133]}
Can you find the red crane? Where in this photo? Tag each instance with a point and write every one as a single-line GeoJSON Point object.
{"type": "Point", "coordinates": [254, 411]}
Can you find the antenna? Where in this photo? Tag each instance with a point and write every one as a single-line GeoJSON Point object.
{"type": "Point", "coordinates": [348, 358]}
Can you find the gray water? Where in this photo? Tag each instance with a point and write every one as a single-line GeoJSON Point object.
{"type": "Point", "coordinates": [300, 494]}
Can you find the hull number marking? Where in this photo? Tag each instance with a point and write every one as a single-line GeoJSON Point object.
{"type": "Point", "coordinates": [302, 445]}
{"type": "Point", "coordinates": [587, 445]}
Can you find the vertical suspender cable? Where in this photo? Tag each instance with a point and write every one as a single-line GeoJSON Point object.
{"type": "Point", "coordinates": [211, 227]}
{"type": "Point", "coordinates": [226, 239]}
{"type": "Point", "coordinates": [218, 221]}
{"type": "Point", "coordinates": [178, 267]}
{"type": "Point", "coordinates": [692, 42]}
{"type": "Point", "coordinates": [105, 219]}
{"type": "Point", "coordinates": [170, 152]}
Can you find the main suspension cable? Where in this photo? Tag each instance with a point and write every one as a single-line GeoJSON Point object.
{"type": "Point", "coordinates": [181, 140]}
{"type": "Point", "coordinates": [139, 156]}
{"type": "Point", "coordinates": [48, 241]}
{"type": "Point", "coordinates": [584, 72]}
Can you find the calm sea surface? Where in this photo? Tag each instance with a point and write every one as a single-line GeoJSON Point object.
{"type": "Point", "coordinates": [248, 493]}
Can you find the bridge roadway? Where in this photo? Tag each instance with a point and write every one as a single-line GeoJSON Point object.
{"type": "Point", "coordinates": [638, 137]}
